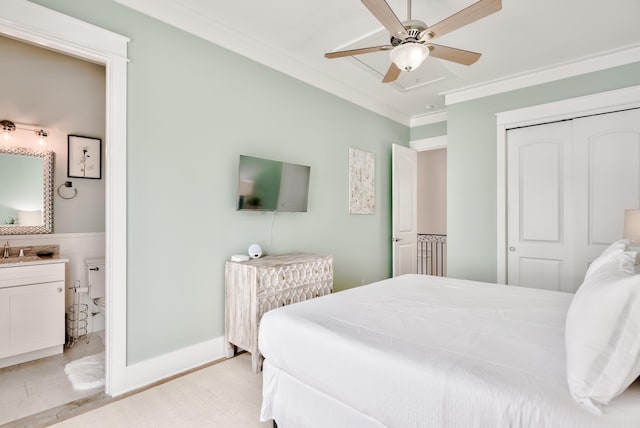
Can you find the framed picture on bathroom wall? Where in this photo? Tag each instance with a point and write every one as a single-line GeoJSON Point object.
{"type": "Point", "coordinates": [84, 157]}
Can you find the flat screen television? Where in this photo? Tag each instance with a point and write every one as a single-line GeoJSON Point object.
{"type": "Point", "coordinates": [268, 185]}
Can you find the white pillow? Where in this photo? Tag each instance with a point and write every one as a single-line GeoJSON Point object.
{"type": "Point", "coordinates": [614, 250]}
{"type": "Point", "coordinates": [602, 333]}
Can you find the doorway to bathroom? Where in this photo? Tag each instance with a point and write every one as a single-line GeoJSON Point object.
{"type": "Point", "coordinates": [67, 96]}
{"type": "Point", "coordinates": [24, 21]}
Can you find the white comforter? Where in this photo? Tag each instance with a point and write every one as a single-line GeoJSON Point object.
{"type": "Point", "coordinates": [423, 351]}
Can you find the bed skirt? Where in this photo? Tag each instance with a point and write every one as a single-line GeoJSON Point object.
{"type": "Point", "coordinates": [292, 404]}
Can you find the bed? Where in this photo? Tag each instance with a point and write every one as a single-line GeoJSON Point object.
{"type": "Point", "coordinates": [425, 351]}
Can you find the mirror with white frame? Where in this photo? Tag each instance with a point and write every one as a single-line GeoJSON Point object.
{"type": "Point", "coordinates": [26, 191]}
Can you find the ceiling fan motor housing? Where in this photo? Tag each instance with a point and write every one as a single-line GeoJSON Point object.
{"type": "Point", "coordinates": [414, 27]}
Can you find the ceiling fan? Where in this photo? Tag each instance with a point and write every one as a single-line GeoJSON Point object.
{"type": "Point", "coordinates": [411, 39]}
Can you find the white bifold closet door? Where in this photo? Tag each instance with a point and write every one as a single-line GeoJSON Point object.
{"type": "Point", "coordinates": [568, 184]}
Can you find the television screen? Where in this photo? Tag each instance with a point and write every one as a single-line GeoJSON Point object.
{"type": "Point", "coordinates": [268, 185]}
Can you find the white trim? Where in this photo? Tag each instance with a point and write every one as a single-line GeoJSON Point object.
{"type": "Point", "coordinates": [214, 29]}
{"type": "Point", "coordinates": [614, 58]}
{"type": "Point", "coordinates": [431, 143]}
{"type": "Point", "coordinates": [30, 356]}
{"type": "Point", "coordinates": [603, 102]}
{"type": "Point", "coordinates": [428, 118]}
{"type": "Point", "coordinates": [40, 26]}
{"type": "Point", "coordinates": [154, 369]}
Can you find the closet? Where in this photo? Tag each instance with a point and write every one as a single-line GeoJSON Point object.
{"type": "Point", "coordinates": [567, 186]}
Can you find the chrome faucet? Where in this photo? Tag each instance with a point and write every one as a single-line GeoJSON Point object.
{"type": "Point", "coordinates": [6, 250]}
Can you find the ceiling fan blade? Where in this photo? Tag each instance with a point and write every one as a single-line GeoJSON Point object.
{"type": "Point", "coordinates": [383, 13]}
{"type": "Point", "coordinates": [361, 51]}
{"type": "Point", "coordinates": [392, 74]}
{"type": "Point", "coordinates": [452, 54]}
{"type": "Point", "coordinates": [464, 17]}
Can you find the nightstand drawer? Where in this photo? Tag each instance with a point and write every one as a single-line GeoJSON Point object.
{"type": "Point", "coordinates": [284, 277]}
{"type": "Point", "coordinates": [294, 295]}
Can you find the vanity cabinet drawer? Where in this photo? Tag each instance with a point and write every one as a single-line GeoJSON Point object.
{"type": "Point", "coordinates": [36, 274]}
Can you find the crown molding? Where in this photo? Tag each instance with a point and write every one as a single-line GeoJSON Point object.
{"type": "Point", "coordinates": [626, 55]}
{"type": "Point", "coordinates": [428, 118]}
{"type": "Point", "coordinates": [213, 29]}
{"type": "Point", "coordinates": [431, 143]}
{"type": "Point", "coordinates": [179, 15]}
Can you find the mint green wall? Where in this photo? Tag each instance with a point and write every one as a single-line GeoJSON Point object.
{"type": "Point", "coordinates": [427, 131]}
{"type": "Point", "coordinates": [193, 108]}
{"type": "Point", "coordinates": [471, 165]}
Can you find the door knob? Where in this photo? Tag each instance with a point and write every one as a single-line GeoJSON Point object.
{"type": "Point", "coordinates": [396, 239]}
{"type": "Point", "coordinates": [512, 249]}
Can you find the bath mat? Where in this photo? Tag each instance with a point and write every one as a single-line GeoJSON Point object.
{"type": "Point", "coordinates": [86, 373]}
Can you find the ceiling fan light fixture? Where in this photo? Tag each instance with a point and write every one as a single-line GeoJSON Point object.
{"type": "Point", "coordinates": [409, 56]}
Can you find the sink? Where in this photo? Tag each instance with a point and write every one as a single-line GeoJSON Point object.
{"type": "Point", "coordinates": [16, 259]}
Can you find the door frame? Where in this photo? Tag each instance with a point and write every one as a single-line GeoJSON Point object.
{"type": "Point", "coordinates": [421, 145]}
{"type": "Point", "coordinates": [603, 102]}
{"type": "Point", "coordinates": [398, 153]}
{"type": "Point", "coordinates": [40, 26]}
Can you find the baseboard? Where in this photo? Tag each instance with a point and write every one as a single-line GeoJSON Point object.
{"type": "Point", "coordinates": [29, 356]}
{"type": "Point", "coordinates": [155, 369]}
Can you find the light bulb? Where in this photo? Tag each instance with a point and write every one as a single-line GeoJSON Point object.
{"type": "Point", "coordinates": [42, 138]}
{"type": "Point", "coordinates": [7, 128]}
{"type": "Point", "coordinates": [409, 56]}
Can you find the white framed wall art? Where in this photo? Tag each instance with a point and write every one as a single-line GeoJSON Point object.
{"type": "Point", "coordinates": [362, 183]}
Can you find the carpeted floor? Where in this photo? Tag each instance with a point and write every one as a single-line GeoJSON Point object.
{"type": "Point", "coordinates": [227, 394]}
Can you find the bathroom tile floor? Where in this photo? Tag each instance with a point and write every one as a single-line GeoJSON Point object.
{"type": "Point", "coordinates": [35, 386]}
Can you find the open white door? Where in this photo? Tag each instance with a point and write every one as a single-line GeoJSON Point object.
{"type": "Point", "coordinates": [404, 195]}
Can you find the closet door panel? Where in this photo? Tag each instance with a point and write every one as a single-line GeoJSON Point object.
{"type": "Point", "coordinates": [607, 177]}
{"type": "Point", "coordinates": [539, 190]}
{"type": "Point", "coordinates": [614, 183]}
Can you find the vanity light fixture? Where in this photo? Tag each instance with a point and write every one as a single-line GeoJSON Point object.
{"type": "Point", "coordinates": [42, 138]}
{"type": "Point", "coordinates": [9, 127]}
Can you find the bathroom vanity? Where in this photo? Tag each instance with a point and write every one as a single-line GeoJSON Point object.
{"type": "Point", "coordinates": [32, 308]}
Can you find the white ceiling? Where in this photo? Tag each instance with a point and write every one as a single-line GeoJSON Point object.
{"type": "Point", "coordinates": [527, 42]}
